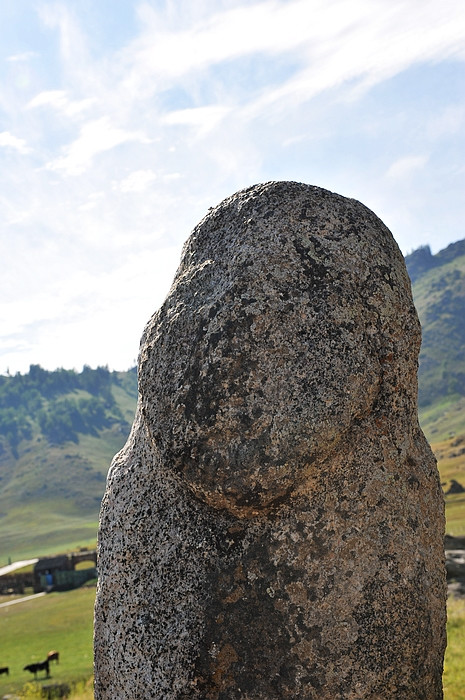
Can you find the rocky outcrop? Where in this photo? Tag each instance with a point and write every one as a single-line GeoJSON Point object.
{"type": "Point", "coordinates": [274, 526]}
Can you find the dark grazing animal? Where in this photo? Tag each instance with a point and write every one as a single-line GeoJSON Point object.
{"type": "Point", "coordinates": [40, 666]}
{"type": "Point", "coordinates": [53, 656]}
{"type": "Point", "coordinates": [4, 669]}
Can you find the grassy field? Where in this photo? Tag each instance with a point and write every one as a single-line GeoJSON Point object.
{"type": "Point", "coordinates": [444, 427]}
{"type": "Point", "coordinates": [61, 621]}
{"type": "Point", "coordinates": [450, 454]}
{"type": "Point", "coordinates": [454, 667]}
{"type": "Point", "coordinates": [28, 533]}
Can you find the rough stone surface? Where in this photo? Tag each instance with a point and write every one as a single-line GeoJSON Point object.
{"type": "Point", "coordinates": [274, 526]}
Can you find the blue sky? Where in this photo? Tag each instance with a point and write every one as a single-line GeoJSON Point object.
{"type": "Point", "coordinates": [122, 122]}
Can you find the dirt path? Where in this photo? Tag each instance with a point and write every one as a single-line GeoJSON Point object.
{"type": "Point", "coordinates": [16, 565]}
{"type": "Point", "coordinates": [21, 600]}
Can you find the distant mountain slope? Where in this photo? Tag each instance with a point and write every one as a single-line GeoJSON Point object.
{"type": "Point", "coordinates": [58, 433]}
{"type": "Point", "coordinates": [422, 260]}
{"type": "Point", "coordinates": [438, 285]}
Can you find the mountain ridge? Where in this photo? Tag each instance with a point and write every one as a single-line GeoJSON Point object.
{"type": "Point", "coordinates": [421, 260]}
{"type": "Point", "coordinates": [438, 287]}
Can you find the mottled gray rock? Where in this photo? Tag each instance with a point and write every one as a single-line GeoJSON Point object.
{"type": "Point", "coordinates": [274, 526]}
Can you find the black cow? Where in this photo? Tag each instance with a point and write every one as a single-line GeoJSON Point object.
{"type": "Point", "coordinates": [41, 666]}
{"type": "Point", "coordinates": [4, 669]}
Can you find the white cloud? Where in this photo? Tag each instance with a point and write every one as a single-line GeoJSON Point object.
{"type": "Point", "coordinates": [58, 99]}
{"type": "Point", "coordinates": [92, 201]}
{"type": "Point", "coordinates": [16, 315]}
{"type": "Point", "coordinates": [7, 140]}
{"type": "Point", "coordinates": [21, 57]}
{"type": "Point", "coordinates": [202, 119]}
{"type": "Point", "coordinates": [404, 167]}
{"type": "Point", "coordinates": [73, 44]}
{"type": "Point", "coordinates": [137, 181]}
{"type": "Point", "coordinates": [252, 29]}
{"type": "Point", "coordinates": [330, 42]}
{"type": "Point", "coordinates": [95, 137]}
{"type": "Point", "coordinates": [366, 44]}
{"type": "Point", "coordinates": [82, 315]}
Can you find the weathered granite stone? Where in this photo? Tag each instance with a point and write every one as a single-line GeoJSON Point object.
{"type": "Point", "coordinates": [274, 526]}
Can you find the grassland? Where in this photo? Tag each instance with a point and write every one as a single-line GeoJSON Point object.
{"type": "Point", "coordinates": [444, 427]}
{"type": "Point", "coordinates": [30, 629]}
{"type": "Point", "coordinates": [451, 460]}
{"type": "Point", "coordinates": [454, 670]}
{"type": "Point", "coordinates": [40, 531]}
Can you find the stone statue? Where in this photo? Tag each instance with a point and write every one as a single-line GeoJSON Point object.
{"type": "Point", "coordinates": [273, 527]}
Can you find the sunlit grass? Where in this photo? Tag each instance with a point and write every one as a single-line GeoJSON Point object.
{"type": "Point", "coordinates": [61, 621]}
{"type": "Point", "coordinates": [450, 454]}
{"type": "Point", "coordinates": [36, 531]}
{"type": "Point", "coordinates": [454, 666]}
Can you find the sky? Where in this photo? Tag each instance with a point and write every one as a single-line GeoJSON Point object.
{"type": "Point", "coordinates": [122, 122]}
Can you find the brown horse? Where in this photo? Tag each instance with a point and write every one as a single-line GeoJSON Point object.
{"type": "Point", "coordinates": [53, 656]}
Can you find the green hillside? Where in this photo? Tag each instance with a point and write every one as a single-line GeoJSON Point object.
{"type": "Point", "coordinates": [439, 295]}
{"type": "Point", "coordinates": [438, 284]}
{"type": "Point", "coordinates": [58, 433]}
